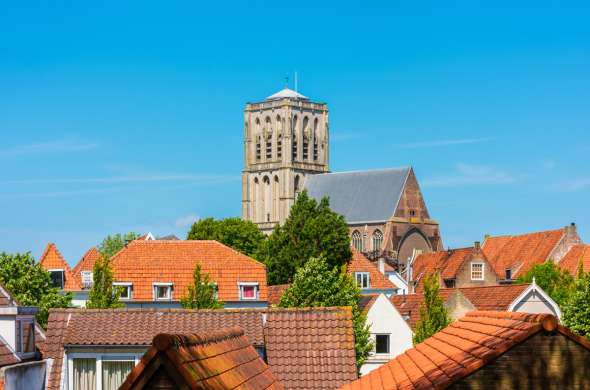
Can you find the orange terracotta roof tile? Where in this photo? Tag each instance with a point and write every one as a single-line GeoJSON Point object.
{"type": "Point", "coordinates": [145, 262]}
{"type": "Point", "coordinates": [275, 293]}
{"type": "Point", "coordinates": [487, 298]}
{"type": "Point", "coordinates": [222, 359]}
{"type": "Point", "coordinates": [86, 263]}
{"type": "Point", "coordinates": [576, 255]}
{"type": "Point", "coordinates": [458, 350]}
{"type": "Point", "coordinates": [366, 302]}
{"type": "Point", "coordinates": [52, 259]}
{"type": "Point", "coordinates": [521, 252]}
{"type": "Point", "coordinates": [359, 263]}
{"type": "Point", "coordinates": [7, 354]}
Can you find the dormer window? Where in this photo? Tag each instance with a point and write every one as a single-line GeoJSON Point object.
{"type": "Point", "coordinates": [508, 274]}
{"type": "Point", "coordinates": [249, 291]}
{"type": "Point", "coordinates": [24, 337]}
{"type": "Point", "coordinates": [126, 290]}
{"type": "Point", "coordinates": [86, 279]}
{"type": "Point", "coordinates": [57, 278]}
{"type": "Point", "coordinates": [362, 279]}
{"type": "Point", "coordinates": [162, 291]}
{"type": "Point", "coordinates": [476, 271]}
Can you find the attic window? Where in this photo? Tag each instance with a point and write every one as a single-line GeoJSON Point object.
{"type": "Point", "coordinates": [449, 283]}
{"type": "Point", "coordinates": [476, 271]}
{"type": "Point", "coordinates": [86, 279]}
{"type": "Point", "coordinates": [248, 291]}
{"type": "Point", "coordinates": [362, 279]}
{"type": "Point", "coordinates": [57, 278]}
{"type": "Point", "coordinates": [162, 291]}
{"type": "Point", "coordinates": [382, 343]}
{"type": "Point", "coordinates": [508, 274]}
{"type": "Point", "coordinates": [412, 213]}
{"type": "Point", "coordinates": [126, 290]}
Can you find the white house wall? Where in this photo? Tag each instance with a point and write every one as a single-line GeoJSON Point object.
{"type": "Point", "coordinates": [383, 318]}
{"type": "Point", "coordinates": [8, 329]}
{"type": "Point", "coordinates": [535, 303]}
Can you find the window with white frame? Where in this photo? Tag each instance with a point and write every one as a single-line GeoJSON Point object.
{"type": "Point", "coordinates": [248, 291]}
{"type": "Point", "coordinates": [86, 279]}
{"type": "Point", "coordinates": [382, 343]}
{"type": "Point", "coordinates": [57, 278]}
{"type": "Point", "coordinates": [162, 291]}
{"type": "Point", "coordinates": [88, 371]}
{"type": "Point", "coordinates": [362, 279]}
{"type": "Point", "coordinates": [125, 289]}
{"type": "Point", "coordinates": [476, 271]}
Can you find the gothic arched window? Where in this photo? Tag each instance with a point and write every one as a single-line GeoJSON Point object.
{"type": "Point", "coordinates": [279, 138]}
{"type": "Point", "coordinates": [296, 185]}
{"type": "Point", "coordinates": [268, 138]}
{"type": "Point", "coordinates": [267, 199]}
{"type": "Point", "coordinates": [258, 139]}
{"type": "Point", "coordinates": [377, 240]}
{"type": "Point", "coordinates": [315, 140]}
{"type": "Point", "coordinates": [305, 138]}
{"type": "Point", "coordinates": [357, 240]}
{"type": "Point", "coordinates": [276, 198]}
{"type": "Point", "coordinates": [255, 200]}
{"type": "Point", "coordinates": [294, 137]}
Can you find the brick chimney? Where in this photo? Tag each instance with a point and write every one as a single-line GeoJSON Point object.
{"type": "Point", "coordinates": [381, 265]}
{"type": "Point", "coordinates": [477, 246]}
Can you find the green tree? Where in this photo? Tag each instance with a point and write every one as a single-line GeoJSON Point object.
{"type": "Point", "coordinates": [559, 284]}
{"type": "Point", "coordinates": [311, 230]}
{"type": "Point", "coordinates": [113, 244]}
{"type": "Point", "coordinates": [202, 294]}
{"type": "Point", "coordinates": [433, 314]}
{"type": "Point", "coordinates": [243, 236]}
{"type": "Point", "coordinates": [30, 284]}
{"type": "Point", "coordinates": [103, 295]}
{"type": "Point", "coordinates": [317, 284]}
{"type": "Point", "coordinates": [576, 312]}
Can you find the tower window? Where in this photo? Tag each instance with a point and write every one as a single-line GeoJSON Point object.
{"type": "Point", "coordinates": [315, 150]}
{"type": "Point", "coordinates": [305, 148]}
{"type": "Point", "coordinates": [258, 148]}
{"type": "Point", "coordinates": [280, 147]}
{"type": "Point", "coordinates": [269, 148]}
{"type": "Point", "coordinates": [294, 155]}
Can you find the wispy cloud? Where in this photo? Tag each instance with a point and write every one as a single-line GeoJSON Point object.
{"type": "Point", "coordinates": [205, 179]}
{"type": "Point", "coordinates": [60, 146]}
{"type": "Point", "coordinates": [575, 184]}
{"type": "Point", "coordinates": [468, 174]}
{"type": "Point", "coordinates": [186, 220]}
{"type": "Point", "coordinates": [447, 142]}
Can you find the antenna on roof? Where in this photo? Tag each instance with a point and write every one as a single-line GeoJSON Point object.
{"type": "Point", "coordinates": [295, 81]}
{"type": "Point", "coordinates": [286, 81]}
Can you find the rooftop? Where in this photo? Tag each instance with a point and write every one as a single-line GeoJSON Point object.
{"type": "Point", "coordinates": [287, 93]}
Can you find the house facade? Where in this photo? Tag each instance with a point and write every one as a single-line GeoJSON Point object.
{"type": "Point", "coordinates": [390, 333]}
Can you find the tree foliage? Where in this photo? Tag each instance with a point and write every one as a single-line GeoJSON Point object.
{"type": "Point", "coordinates": [433, 314]}
{"type": "Point", "coordinates": [311, 230]}
{"type": "Point", "coordinates": [317, 284]}
{"type": "Point", "coordinates": [103, 295]}
{"type": "Point", "coordinates": [30, 284]}
{"type": "Point", "coordinates": [559, 284]}
{"type": "Point", "coordinates": [202, 294]}
{"type": "Point", "coordinates": [243, 236]}
{"type": "Point", "coordinates": [576, 312]}
{"type": "Point", "coordinates": [113, 244]}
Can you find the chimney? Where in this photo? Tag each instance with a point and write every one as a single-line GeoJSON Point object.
{"type": "Point", "coordinates": [381, 265]}
{"type": "Point", "coordinates": [477, 245]}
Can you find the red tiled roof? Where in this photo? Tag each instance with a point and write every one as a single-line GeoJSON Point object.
{"type": "Point", "coordinates": [520, 253]}
{"type": "Point", "coordinates": [359, 263]}
{"type": "Point", "coordinates": [7, 354]}
{"type": "Point", "coordinates": [145, 262]}
{"type": "Point", "coordinates": [446, 262]}
{"type": "Point", "coordinates": [275, 293]}
{"type": "Point", "coordinates": [52, 259]}
{"type": "Point", "coordinates": [365, 302]}
{"type": "Point", "coordinates": [222, 359]}
{"type": "Point", "coordinates": [305, 337]}
{"type": "Point", "coordinates": [86, 263]}
{"type": "Point", "coordinates": [311, 348]}
{"type": "Point", "coordinates": [494, 298]}
{"type": "Point", "coordinates": [577, 254]}
{"type": "Point", "coordinates": [459, 350]}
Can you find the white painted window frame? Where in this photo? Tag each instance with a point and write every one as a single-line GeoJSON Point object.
{"type": "Point", "coordinates": [63, 275]}
{"type": "Point", "coordinates": [20, 322]}
{"type": "Point", "coordinates": [163, 284]}
{"type": "Point", "coordinates": [483, 267]}
{"type": "Point", "coordinates": [82, 274]}
{"type": "Point", "coordinates": [115, 356]}
{"type": "Point", "coordinates": [361, 274]}
{"type": "Point", "coordinates": [388, 344]}
{"type": "Point", "coordinates": [129, 286]}
{"type": "Point", "coordinates": [245, 284]}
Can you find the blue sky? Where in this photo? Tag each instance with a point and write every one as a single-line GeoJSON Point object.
{"type": "Point", "coordinates": [118, 116]}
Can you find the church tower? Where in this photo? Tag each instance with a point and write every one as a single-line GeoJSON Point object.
{"type": "Point", "coordinates": [285, 139]}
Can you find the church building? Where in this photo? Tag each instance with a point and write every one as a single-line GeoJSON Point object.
{"type": "Point", "coordinates": [286, 150]}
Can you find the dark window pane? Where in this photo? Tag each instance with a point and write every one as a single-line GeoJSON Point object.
{"type": "Point", "coordinates": [382, 343]}
{"type": "Point", "coordinates": [57, 279]}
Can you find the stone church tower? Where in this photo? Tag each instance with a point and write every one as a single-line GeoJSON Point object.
{"type": "Point", "coordinates": [285, 139]}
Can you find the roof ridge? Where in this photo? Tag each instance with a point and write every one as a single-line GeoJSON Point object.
{"type": "Point", "coordinates": [490, 287]}
{"type": "Point", "coordinates": [163, 341]}
{"type": "Point", "coordinates": [372, 170]}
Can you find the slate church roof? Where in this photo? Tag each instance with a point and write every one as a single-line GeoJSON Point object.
{"type": "Point", "coordinates": [361, 196]}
